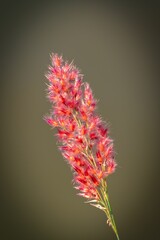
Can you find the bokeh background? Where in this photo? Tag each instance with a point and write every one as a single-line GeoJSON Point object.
{"type": "Point", "coordinates": [115, 44]}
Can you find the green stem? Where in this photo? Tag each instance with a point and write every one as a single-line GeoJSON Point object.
{"type": "Point", "coordinates": [111, 217]}
{"type": "Point", "coordinates": [109, 209]}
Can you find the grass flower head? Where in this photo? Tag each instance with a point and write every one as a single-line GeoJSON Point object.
{"type": "Point", "coordinates": [83, 136]}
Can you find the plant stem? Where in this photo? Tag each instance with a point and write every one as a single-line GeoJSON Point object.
{"type": "Point", "coordinates": [111, 217]}
{"type": "Point", "coordinates": [109, 209]}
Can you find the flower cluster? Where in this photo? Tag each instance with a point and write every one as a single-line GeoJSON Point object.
{"type": "Point", "coordinates": [83, 136]}
{"type": "Point", "coordinates": [84, 139]}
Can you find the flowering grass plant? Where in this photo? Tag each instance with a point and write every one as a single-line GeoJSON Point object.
{"type": "Point", "coordinates": [82, 135]}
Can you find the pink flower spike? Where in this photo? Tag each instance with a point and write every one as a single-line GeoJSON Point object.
{"type": "Point", "coordinates": [82, 135]}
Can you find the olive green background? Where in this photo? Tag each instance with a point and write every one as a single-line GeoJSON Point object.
{"type": "Point", "coordinates": [115, 44]}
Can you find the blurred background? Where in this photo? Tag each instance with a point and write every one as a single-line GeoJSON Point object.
{"type": "Point", "coordinates": [115, 44]}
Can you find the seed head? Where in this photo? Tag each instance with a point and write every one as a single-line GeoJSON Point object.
{"type": "Point", "coordinates": [82, 135]}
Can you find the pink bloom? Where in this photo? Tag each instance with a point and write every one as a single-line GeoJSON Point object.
{"type": "Point", "coordinates": [84, 139]}
{"type": "Point", "coordinates": [83, 136]}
